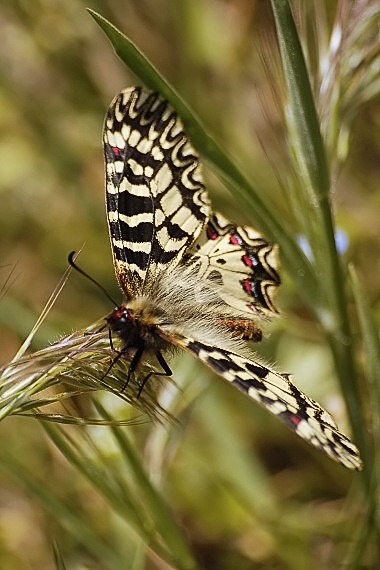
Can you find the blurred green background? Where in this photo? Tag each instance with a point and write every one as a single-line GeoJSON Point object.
{"type": "Point", "coordinates": [250, 495]}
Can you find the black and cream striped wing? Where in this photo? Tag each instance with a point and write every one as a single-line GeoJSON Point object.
{"type": "Point", "coordinates": [156, 201]}
{"type": "Point", "coordinates": [277, 393]}
{"type": "Point", "coordinates": [240, 263]}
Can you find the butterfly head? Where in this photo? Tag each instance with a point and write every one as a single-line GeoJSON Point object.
{"type": "Point", "coordinates": [121, 318]}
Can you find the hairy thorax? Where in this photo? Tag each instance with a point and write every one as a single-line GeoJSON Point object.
{"type": "Point", "coordinates": [179, 304]}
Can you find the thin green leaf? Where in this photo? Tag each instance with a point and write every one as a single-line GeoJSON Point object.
{"type": "Point", "coordinates": [136, 501]}
{"type": "Point", "coordinates": [58, 558]}
{"type": "Point", "coordinates": [60, 510]}
{"type": "Point", "coordinates": [93, 467]}
{"type": "Point", "coordinates": [311, 159]}
{"type": "Point", "coordinates": [296, 262]}
{"type": "Point", "coordinates": [153, 502]}
{"type": "Point", "coordinates": [306, 137]}
{"type": "Point", "coordinates": [371, 348]}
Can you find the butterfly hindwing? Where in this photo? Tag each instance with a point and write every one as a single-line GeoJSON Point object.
{"type": "Point", "coordinates": [156, 201]}
{"type": "Point", "coordinates": [240, 263]}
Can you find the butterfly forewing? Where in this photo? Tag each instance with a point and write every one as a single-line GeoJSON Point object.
{"type": "Point", "coordinates": [156, 201]}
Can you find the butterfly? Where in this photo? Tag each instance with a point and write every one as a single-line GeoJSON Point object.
{"type": "Point", "coordinates": [192, 279]}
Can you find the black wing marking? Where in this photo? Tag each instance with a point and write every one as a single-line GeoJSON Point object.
{"type": "Point", "coordinates": [157, 204]}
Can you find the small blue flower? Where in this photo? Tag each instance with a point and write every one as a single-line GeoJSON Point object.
{"type": "Point", "coordinates": [341, 239]}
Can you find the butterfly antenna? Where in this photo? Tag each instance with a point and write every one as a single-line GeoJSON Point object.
{"type": "Point", "coordinates": [70, 259]}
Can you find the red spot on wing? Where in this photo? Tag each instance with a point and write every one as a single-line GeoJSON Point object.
{"type": "Point", "coordinates": [235, 239]}
{"type": "Point", "coordinates": [247, 260]}
{"type": "Point", "coordinates": [116, 150]}
{"type": "Point", "coordinates": [295, 420]}
{"type": "Point", "coordinates": [247, 286]}
{"type": "Point", "coordinates": [211, 233]}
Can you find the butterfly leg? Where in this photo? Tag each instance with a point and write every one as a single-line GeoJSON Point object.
{"type": "Point", "coordinates": [113, 362]}
{"type": "Point", "coordinates": [133, 365]}
{"type": "Point", "coordinates": [166, 372]}
{"type": "Point", "coordinates": [119, 353]}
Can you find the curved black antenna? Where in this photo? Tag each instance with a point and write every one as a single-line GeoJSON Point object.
{"type": "Point", "coordinates": [77, 268]}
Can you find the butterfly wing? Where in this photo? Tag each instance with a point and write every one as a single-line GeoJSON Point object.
{"type": "Point", "coordinates": [277, 393]}
{"type": "Point", "coordinates": [156, 202]}
{"type": "Point", "coordinates": [240, 263]}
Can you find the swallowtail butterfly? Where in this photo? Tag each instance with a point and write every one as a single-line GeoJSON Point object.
{"type": "Point", "coordinates": [191, 279]}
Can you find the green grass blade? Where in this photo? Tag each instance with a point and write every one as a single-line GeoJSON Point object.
{"type": "Point", "coordinates": [58, 558]}
{"type": "Point", "coordinates": [60, 510]}
{"type": "Point", "coordinates": [159, 511]}
{"type": "Point", "coordinates": [250, 197]}
{"type": "Point", "coordinates": [306, 137]}
{"type": "Point", "coordinates": [133, 497]}
{"type": "Point", "coordinates": [371, 348]}
{"type": "Point", "coordinates": [311, 161]}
